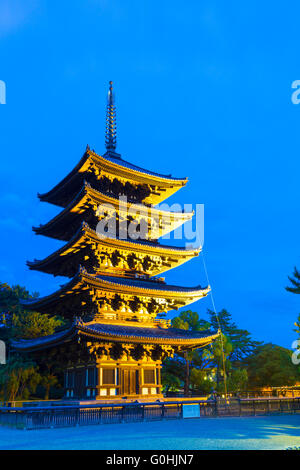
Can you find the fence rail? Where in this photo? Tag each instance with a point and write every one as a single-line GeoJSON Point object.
{"type": "Point", "coordinates": [83, 415]}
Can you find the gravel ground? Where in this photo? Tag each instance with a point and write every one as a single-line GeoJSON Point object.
{"type": "Point", "coordinates": [268, 432]}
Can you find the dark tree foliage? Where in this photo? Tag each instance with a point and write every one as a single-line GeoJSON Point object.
{"type": "Point", "coordinates": [295, 289]}
{"type": "Point", "coordinates": [19, 322]}
{"type": "Point", "coordinates": [21, 375]}
{"type": "Point", "coordinates": [10, 300]}
{"type": "Point", "coordinates": [295, 281]}
{"type": "Point", "coordinates": [188, 320]}
{"type": "Point", "coordinates": [173, 373]}
{"type": "Point", "coordinates": [18, 378]}
{"type": "Point", "coordinates": [271, 365]}
{"type": "Point", "coordinates": [204, 368]}
{"type": "Point", "coordinates": [242, 343]}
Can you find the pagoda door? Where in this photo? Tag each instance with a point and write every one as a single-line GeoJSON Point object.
{"type": "Point", "coordinates": [130, 382]}
{"type": "Point", "coordinates": [80, 383]}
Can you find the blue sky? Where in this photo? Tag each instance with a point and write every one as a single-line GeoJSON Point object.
{"type": "Point", "coordinates": [203, 90]}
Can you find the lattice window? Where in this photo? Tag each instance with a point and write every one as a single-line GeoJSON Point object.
{"type": "Point", "coordinates": [108, 377]}
{"type": "Point", "coordinates": [149, 376]}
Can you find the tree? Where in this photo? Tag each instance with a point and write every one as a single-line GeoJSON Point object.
{"type": "Point", "coordinates": [30, 325]}
{"type": "Point", "coordinates": [22, 323]}
{"type": "Point", "coordinates": [170, 382]}
{"type": "Point", "coordinates": [271, 365]}
{"type": "Point", "coordinates": [295, 281]}
{"type": "Point", "coordinates": [202, 381]}
{"type": "Point", "coordinates": [188, 320]}
{"type": "Point", "coordinates": [237, 380]}
{"type": "Point", "coordinates": [295, 289]}
{"type": "Point", "coordinates": [49, 380]}
{"type": "Point", "coordinates": [221, 350]}
{"type": "Point", "coordinates": [172, 374]}
{"type": "Point", "coordinates": [18, 378]}
{"type": "Point", "coordinates": [297, 325]}
{"type": "Point", "coordinates": [10, 300]}
{"type": "Point", "coordinates": [242, 343]}
{"type": "Point", "coordinates": [224, 356]}
{"type": "Point", "coordinates": [204, 359]}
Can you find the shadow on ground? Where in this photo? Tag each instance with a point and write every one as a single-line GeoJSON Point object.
{"type": "Point", "coordinates": [268, 432]}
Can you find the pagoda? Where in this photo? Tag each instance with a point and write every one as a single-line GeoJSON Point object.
{"type": "Point", "coordinates": [115, 297]}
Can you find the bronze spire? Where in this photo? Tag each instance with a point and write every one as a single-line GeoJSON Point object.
{"type": "Point", "coordinates": [111, 125]}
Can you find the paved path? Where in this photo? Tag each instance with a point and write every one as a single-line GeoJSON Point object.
{"type": "Point", "coordinates": [271, 432]}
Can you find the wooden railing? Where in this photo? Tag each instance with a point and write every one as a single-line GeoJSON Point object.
{"type": "Point", "coordinates": [70, 415]}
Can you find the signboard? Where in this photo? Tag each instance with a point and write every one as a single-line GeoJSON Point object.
{"type": "Point", "coordinates": [190, 411]}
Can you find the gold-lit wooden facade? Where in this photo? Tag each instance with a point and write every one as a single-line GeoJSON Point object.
{"type": "Point", "coordinates": [92, 206]}
{"type": "Point", "coordinates": [107, 255]}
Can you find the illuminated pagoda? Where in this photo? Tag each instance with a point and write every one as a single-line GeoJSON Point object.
{"type": "Point", "coordinates": [115, 297]}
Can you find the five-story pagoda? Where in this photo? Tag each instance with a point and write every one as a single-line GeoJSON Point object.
{"type": "Point", "coordinates": [115, 343]}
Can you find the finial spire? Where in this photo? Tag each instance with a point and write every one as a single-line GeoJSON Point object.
{"type": "Point", "coordinates": [111, 125]}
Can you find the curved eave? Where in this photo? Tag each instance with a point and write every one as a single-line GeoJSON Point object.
{"type": "Point", "coordinates": [48, 197]}
{"type": "Point", "coordinates": [191, 342]}
{"type": "Point", "coordinates": [85, 234]}
{"type": "Point", "coordinates": [117, 167]}
{"type": "Point", "coordinates": [83, 281]}
{"type": "Point", "coordinates": [99, 198]}
{"type": "Point", "coordinates": [158, 290]}
{"type": "Point", "coordinates": [44, 341]}
{"type": "Point", "coordinates": [182, 340]}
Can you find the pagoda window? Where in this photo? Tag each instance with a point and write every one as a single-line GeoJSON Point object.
{"type": "Point", "coordinates": [108, 377]}
{"type": "Point", "coordinates": [69, 379]}
{"type": "Point", "coordinates": [149, 376]}
{"type": "Point", "coordinates": [91, 377]}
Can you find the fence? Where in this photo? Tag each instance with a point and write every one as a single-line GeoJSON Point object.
{"type": "Point", "coordinates": [70, 415]}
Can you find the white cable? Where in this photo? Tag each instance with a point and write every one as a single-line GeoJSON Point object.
{"type": "Point", "coordinates": [217, 317]}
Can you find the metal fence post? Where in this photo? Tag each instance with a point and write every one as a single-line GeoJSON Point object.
{"type": "Point", "coordinates": [77, 411]}
{"type": "Point", "coordinates": [143, 413]}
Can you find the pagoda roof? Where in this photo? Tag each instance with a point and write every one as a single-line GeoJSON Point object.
{"type": "Point", "coordinates": [64, 258]}
{"type": "Point", "coordinates": [112, 165]}
{"type": "Point", "coordinates": [80, 290]}
{"type": "Point", "coordinates": [68, 221]}
{"type": "Point", "coordinates": [149, 285]}
{"type": "Point", "coordinates": [118, 161]}
{"type": "Point", "coordinates": [183, 339]}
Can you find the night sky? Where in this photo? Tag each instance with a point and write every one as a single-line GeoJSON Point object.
{"type": "Point", "coordinates": [203, 89]}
